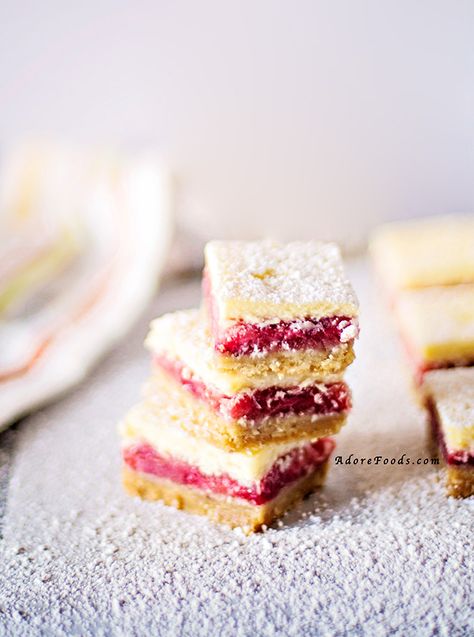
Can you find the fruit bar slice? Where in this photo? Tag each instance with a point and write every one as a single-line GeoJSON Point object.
{"type": "Point", "coordinates": [264, 297]}
{"type": "Point", "coordinates": [226, 410]}
{"type": "Point", "coordinates": [425, 252]}
{"type": "Point", "coordinates": [449, 398]}
{"type": "Point", "coordinates": [437, 325]}
{"type": "Point", "coordinates": [320, 412]}
{"type": "Point", "coordinates": [247, 489]}
{"type": "Point", "coordinates": [184, 336]}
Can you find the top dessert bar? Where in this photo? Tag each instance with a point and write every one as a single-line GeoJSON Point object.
{"type": "Point", "coordinates": [266, 296]}
{"type": "Point", "coordinates": [425, 252]}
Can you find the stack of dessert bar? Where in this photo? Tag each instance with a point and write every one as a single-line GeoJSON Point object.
{"type": "Point", "coordinates": [427, 267]}
{"type": "Point", "coordinates": [245, 391]}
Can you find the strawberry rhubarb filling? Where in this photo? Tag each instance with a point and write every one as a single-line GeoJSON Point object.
{"type": "Point", "coordinates": [255, 405]}
{"type": "Point", "coordinates": [287, 469]}
{"type": "Point", "coordinates": [247, 339]}
{"type": "Point", "coordinates": [243, 338]}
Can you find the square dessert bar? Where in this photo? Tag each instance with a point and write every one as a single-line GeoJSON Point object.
{"type": "Point", "coordinates": [245, 489]}
{"type": "Point", "coordinates": [437, 325]}
{"type": "Point", "coordinates": [425, 252]}
{"type": "Point", "coordinates": [264, 297]}
{"type": "Point", "coordinates": [225, 407]}
{"type": "Point", "coordinates": [449, 398]}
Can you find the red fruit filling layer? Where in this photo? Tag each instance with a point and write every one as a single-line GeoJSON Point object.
{"type": "Point", "coordinates": [245, 339]}
{"type": "Point", "coordinates": [287, 469]}
{"type": "Point", "coordinates": [320, 400]}
{"type": "Point", "coordinates": [453, 457]}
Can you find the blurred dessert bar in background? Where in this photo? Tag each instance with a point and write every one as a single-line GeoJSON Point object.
{"type": "Point", "coordinates": [437, 326]}
{"type": "Point", "coordinates": [427, 268]}
{"type": "Point", "coordinates": [425, 252]}
{"type": "Point", "coordinates": [449, 398]}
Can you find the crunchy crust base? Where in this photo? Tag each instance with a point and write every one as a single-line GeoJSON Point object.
{"type": "Point", "coordinates": [299, 365]}
{"type": "Point", "coordinates": [459, 481]}
{"type": "Point", "coordinates": [235, 437]}
{"type": "Point", "coordinates": [229, 511]}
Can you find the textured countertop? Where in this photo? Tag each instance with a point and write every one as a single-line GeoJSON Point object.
{"type": "Point", "coordinates": [378, 551]}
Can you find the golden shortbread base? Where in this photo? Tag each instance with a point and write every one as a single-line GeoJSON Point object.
{"type": "Point", "coordinates": [235, 437]}
{"type": "Point", "coordinates": [245, 371]}
{"type": "Point", "coordinates": [459, 480]}
{"type": "Point", "coordinates": [222, 509]}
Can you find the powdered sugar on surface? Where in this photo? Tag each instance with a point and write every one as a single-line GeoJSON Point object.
{"type": "Point", "coordinates": [378, 551]}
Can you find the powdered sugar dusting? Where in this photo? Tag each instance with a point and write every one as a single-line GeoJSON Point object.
{"type": "Point", "coordinates": [452, 391]}
{"type": "Point", "coordinates": [300, 272]}
{"type": "Point", "coordinates": [171, 332]}
{"type": "Point", "coordinates": [379, 550]}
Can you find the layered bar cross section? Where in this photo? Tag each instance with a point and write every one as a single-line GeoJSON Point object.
{"type": "Point", "coordinates": [264, 297]}
{"type": "Point", "coordinates": [164, 462]}
{"type": "Point", "coordinates": [231, 414]}
{"type": "Point", "coordinates": [437, 325]}
{"type": "Point", "coordinates": [449, 398]}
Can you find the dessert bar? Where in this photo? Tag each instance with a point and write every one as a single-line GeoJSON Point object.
{"type": "Point", "coordinates": [265, 297]}
{"type": "Point", "coordinates": [220, 508]}
{"type": "Point", "coordinates": [437, 325]}
{"type": "Point", "coordinates": [184, 336]}
{"type": "Point", "coordinates": [210, 416]}
{"type": "Point", "coordinates": [425, 252]}
{"type": "Point", "coordinates": [281, 406]}
{"type": "Point", "coordinates": [240, 488]}
{"type": "Point", "coordinates": [449, 398]}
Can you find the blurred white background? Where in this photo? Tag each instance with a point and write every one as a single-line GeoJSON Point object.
{"type": "Point", "coordinates": [290, 119]}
